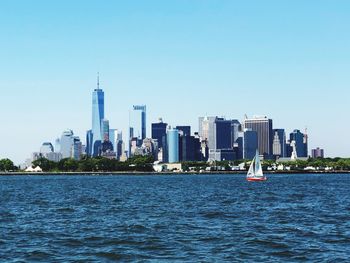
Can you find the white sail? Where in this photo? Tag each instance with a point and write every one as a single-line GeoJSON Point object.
{"type": "Point", "coordinates": [251, 171]}
{"type": "Point", "coordinates": [255, 169]}
{"type": "Point", "coordinates": [258, 167]}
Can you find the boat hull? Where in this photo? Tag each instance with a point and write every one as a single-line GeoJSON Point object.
{"type": "Point", "coordinates": [252, 179]}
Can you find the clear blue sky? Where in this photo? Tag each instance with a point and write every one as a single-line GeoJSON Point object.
{"type": "Point", "coordinates": [289, 60]}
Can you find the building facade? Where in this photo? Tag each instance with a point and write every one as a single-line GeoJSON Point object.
{"type": "Point", "coordinates": [66, 143]}
{"type": "Point", "coordinates": [189, 148]}
{"type": "Point", "coordinates": [98, 114]}
{"type": "Point", "coordinates": [159, 132]}
{"type": "Point", "coordinates": [173, 145]}
{"type": "Point", "coordinates": [137, 124]}
{"type": "Point", "coordinates": [250, 144]}
{"type": "Point", "coordinates": [317, 153]}
{"type": "Point", "coordinates": [184, 130]}
{"type": "Point", "coordinates": [218, 132]}
{"type": "Point", "coordinates": [300, 140]}
{"type": "Point", "coordinates": [279, 145]}
{"type": "Point", "coordinates": [263, 127]}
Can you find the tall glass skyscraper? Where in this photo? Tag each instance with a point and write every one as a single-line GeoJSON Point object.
{"type": "Point", "coordinates": [173, 145]}
{"type": "Point", "coordinates": [98, 113]}
{"type": "Point", "coordinates": [137, 124]}
{"type": "Point", "coordinates": [159, 132]}
{"type": "Point", "coordinates": [89, 142]}
{"type": "Point", "coordinates": [250, 143]}
{"type": "Point", "coordinates": [105, 130]}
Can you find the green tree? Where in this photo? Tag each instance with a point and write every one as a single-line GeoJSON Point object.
{"type": "Point", "coordinates": [68, 165]}
{"type": "Point", "coordinates": [7, 165]}
{"type": "Point", "coordinates": [87, 165]}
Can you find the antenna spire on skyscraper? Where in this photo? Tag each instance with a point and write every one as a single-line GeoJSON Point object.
{"type": "Point", "coordinates": [98, 80]}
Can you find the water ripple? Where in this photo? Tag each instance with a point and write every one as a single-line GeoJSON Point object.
{"type": "Point", "coordinates": [174, 218]}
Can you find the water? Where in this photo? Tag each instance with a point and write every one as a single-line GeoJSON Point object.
{"type": "Point", "coordinates": [174, 218]}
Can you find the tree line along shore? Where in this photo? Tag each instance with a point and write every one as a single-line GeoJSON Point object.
{"type": "Point", "coordinates": [145, 164]}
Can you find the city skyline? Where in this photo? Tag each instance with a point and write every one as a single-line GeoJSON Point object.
{"type": "Point", "coordinates": [222, 139]}
{"type": "Point", "coordinates": [50, 67]}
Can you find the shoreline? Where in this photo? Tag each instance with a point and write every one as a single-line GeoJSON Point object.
{"type": "Point", "coordinates": [162, 173]}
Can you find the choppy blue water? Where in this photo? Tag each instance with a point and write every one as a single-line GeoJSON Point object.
{"type": "Point", "coordinates": [174, 218]}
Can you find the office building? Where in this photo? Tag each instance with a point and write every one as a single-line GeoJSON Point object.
{"type": "Point", "coordinates": [137, 121]}
{"type": "Point", "coordinates": [47, 152]}
{"type": "Point", "coordinates": [66, 143]}
{"type": "Point", "coordinates": [222, 134]}
{"type": "Point", "coordinates": [159, 132]}
{"type": "Point", "coordinates": [77, 148]}
{"type": "Point", "coordinates": [71, 146]}
{"type": "Point", "coordinates": [189, 148]}
{"type": "Point", "coordinates": [97, 117]}
{"type": "Point", "coordinates": [250, 144]}
{"type": "Point", "coordinates": [105, 130]}
{"type": "Point", "coordinates": [300, 140]}
{"type": "Point", "coordinates": [46, 147]}
{"type": "Point", "coordinates": [236, 129]}
{"type": "Point", "coordinates": [222, 155]}
{"type": "Point", "coordinates": [89, 143]}
{"type": "Point", "coordinates": [184, 130]}
{"type": "Point", "coordinates": [57, 147]}
{"type": "Point", "coordinates": [279, 146]}
{"type": "Point", "coordinates": [112, 134]}
{"type": "Point", "coordinates": [137, 125]}
{"type": "Point", "coordinates": [53, 156]}
{"type": "Point", "coordinates": [119, 150]}
{"type": "Point", "coordinates": [206, 129]}
{"type": "Point", "coordinates": [150, 147]}
{"type": "Point", "coordinates": [217, 132]}
{"type": "Point", "coordinates": [263, 127]}
{"type": "Point", "coordinates": [317, 153]}
{"type": "Point", "coordinates": [173, 145]}
{"type": "Point", "coordinates": [238, 146]}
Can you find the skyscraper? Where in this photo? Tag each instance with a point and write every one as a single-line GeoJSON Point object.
{"type": "Point", "coordinates": [235, 130]}
{"type": "Point", "coordinates": [46, 147]}
{"type": "Point", "coordinates": [119, 147]}
{"type": "Point", "coordinates": [250, 143]}
{"type": "Point", "coordinates": [98, 114]}
{"type": "Point", "coordinates": [189, 146]}
{"type": "Point", "coordinates": [263, 128]}
{"type": "Point", "coordinates": [159, 132]}
{"type": "Point", "coordinates": [105, 130]}
{"type": "Point", "coordinates": [47, 151]}
{"type": "Point", "coordinates": [222, 134]}
{"type": "Point", "coordinates": [107, 147]}
{"type": "Point", "coordinates": [137, 124]}
{"type": "Point", "coordinates": [206, 130]}
{"type": "Point", "coordinates": [67, 142]}
{"type": "Point", "coordinates": [185, 130]}
{"type": "Point", "coordinates": [279, 146]}
{"type": "Point", "coordinates": [76, 151]}
{"type": "Point", "coordinates": [300, 140]}
{"type": "Point", "coordinates": [173, 145]}
{"type": "Point", "coordinates": [57, 147]}
{"type": "Point", "coordinates": [89, 143]}
{"type": "Point", "coordinates": [217, 131]}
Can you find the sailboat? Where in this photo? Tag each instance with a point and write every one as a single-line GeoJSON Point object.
{"type": "Point", "coordinates": [255, 172]}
